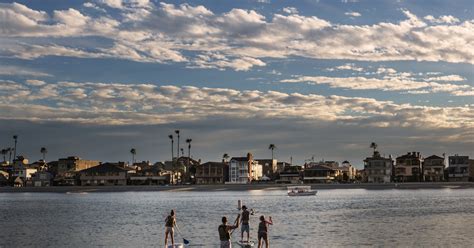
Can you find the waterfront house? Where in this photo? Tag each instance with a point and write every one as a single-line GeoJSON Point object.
{"type": "Point", "coordinates": [187, 167]}
{"type": "Point", "coordinates": [65, 170]}
{"type": "Point", "coordinates": [21, 169]}
{"type": "Point", "coordinates": [41, 179]}
{"type": "Point", "coordinates": [433, 169]}
{"type": "Point", "coordinates": [281, 166]}
{"type": "Point", "coordinates": [378, 169]}
{"type": "Point", "coordinates": [471, 170]}
{"type": "Point", "coordinates": [291, 174]}
{"type": "Point", "coordinates": [105, 174]}
{"type": "Point", "coordinates": [408, 167]}
{"type": "Point", "coordinates": [458, 169]}
{"type": "Point", "coordinates": [4, 176]}
{"type": "Point", "coordinates": [244, 169]}
{"type": "Point", "coordinates": [320, 173]}
{"type": "Point", "coordinates": [348, 172]}
{"type": "Point", "coordinates": [140, 165]}
{"type": "Point", "coordinates": [18, 182]}
{"type": "Point", "coordinates": [212, 173]}
{"type": "Point", "coordinates": [269, 167]}
{"type": "Point", "coordinates": [151, 175]}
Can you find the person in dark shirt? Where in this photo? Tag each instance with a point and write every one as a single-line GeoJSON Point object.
{"type": "Point", "coordinates": [225, 231]}
{"type": "Point", "coordinates": [245, 224]}
{"type": "Point", "coordinates": [170, 223]}
{"type": "Point", "coordinates": [263, 231]}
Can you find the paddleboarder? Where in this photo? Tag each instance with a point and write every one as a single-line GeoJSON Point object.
{"type": "Point", "coordinates": [170, 223]}
{"type": "Point", "coordinates": [263, 231]}
{"type": "Point", "coordinates": [225, 231]}
{"type": "Point", "coordinates": [245, 224]}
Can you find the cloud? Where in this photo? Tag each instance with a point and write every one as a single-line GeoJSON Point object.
{"type": "Point", "coordinates": [34, 82]}
{"type": "Point", "coordinates": [246, 38]}
{"type": "Point", "coordinates": [112, 3]}
{"type": "Point", "coordinates": [388, 79]}
{"type": "Point", "coordinates": [353, 14]}
{"type": "Point", "coordinates": [442, 19]}
{"type": "Point", "coordinates": [20, 71]}
{"type": "Point", "coordinates": [347, 66]}
{"type": "Point", "coordinates": [143, 104]}
{"type": "Point", "coordinates": [290, 10]}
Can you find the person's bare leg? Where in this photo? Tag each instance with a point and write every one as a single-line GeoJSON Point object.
{"type": "Point", "coordinates": [166, 239]}
{"type": "Point", "coordinates": [248, 236]}
{"type": "Point", "coordinates": [172, 238]}
{"type": "Point", "coordinates": [241, 236]}
{"type": "Point", "coordinates": [259, 243]}
{"type": "Point", "coordinates": [266, 243]}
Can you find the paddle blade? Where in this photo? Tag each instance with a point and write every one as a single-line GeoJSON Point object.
{"type": "Point", "coordinates": [186, 242]}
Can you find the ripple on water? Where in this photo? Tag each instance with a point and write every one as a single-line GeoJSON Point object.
{"type": "Point", "coordinates": [334, 218]}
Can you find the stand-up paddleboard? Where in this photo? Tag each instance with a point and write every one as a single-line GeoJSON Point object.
{"type": "Point", "coordinates": [176, 245]}
{"type": "Point", "coordinates": [246, 244]}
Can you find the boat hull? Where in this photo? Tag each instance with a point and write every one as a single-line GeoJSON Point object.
{"type": "Point", "coordinates": [302, 193]}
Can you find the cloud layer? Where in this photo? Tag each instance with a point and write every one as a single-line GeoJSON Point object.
{"type": "Point", "coordinates": [145, 104]}
{"type": "Point", "coordinates": [239, 39]}
{"type": "Point", "coordinates": [388, 79]}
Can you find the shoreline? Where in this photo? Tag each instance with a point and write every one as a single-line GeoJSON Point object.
{"type": "Point", "coordinates": [234, 187]}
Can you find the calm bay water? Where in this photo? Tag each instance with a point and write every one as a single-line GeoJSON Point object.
{"type": "Point", "coordinates": [334, 218]}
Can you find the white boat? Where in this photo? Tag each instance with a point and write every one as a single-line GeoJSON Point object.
{"type": "Point", "coordinates": [301, 191]}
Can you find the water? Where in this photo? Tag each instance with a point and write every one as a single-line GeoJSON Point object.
{"type": "Point", "coordinates": [334, 218]}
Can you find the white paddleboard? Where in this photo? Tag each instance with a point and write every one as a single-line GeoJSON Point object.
{"type": "Point", "coordinates": [176, 245]}
{"type": "Point", "coordinates": [246, 244]}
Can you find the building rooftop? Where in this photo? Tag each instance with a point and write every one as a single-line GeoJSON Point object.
{"type": "Point", "coordinates": [107, 167]}
{"type": "Point", "coordinates": [434, 157]}
{"type": "Point", "coordinates": [240, 158]}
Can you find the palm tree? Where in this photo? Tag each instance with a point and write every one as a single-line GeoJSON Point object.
{"type": "Point", "coordinates": [133, 151]}
{"type": "Point", "coordinates": [189, 149]}
{"type": "Point", "coordinates": [182, 152]}
{"type": "Point", "coordinates": [177, 152]}
{"type": "Point", "coordinates": [272, 147]}
{"type": "Point", "coordinates": [43, 151]}
{"type": "Point", "coordinates": [373, 145]}
{"type": "Point", "coordinates": [225, 157]}
{"type": "Point", "coordinates": [4, 153]}
{"type": "Point", "coordinates": [15, 137]}
{"type": "Point", "coordinates": [9, 150]}
{"type": "Point", "coordinates": [172, 147]}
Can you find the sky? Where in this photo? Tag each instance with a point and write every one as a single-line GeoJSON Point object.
{"type": "Point", "coordinates": [319, 79]}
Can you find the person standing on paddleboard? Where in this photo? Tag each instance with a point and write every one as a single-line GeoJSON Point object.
{"type": "Point", "coordinates": [263, 231]}
{"type": "Point", "coordinates": [225, 231]}
{"type": "Point", "coordinates": [245, 224]}
{"type": "Point", "coordinates": [170, 223]}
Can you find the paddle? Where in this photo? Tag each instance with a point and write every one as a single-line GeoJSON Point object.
{"type": "Point", "coordinates": [185, 241]}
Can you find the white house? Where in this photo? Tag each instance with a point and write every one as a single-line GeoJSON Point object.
{"type": "Point", "coordinates": [244, 169]}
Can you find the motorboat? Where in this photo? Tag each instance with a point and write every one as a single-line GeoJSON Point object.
{"type": "Point", "coordinates": [301, 191]}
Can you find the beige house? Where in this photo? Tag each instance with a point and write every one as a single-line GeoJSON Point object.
{"type": "Point", "coordinates": [459, 168]}
{"type": "Point", "coordinates": [151, 175]}
{"type": "Point", "coordinates": [348, 171]}
{"type": "Point", "coordinates": [66, 169]}
{"type": "Point", "coordinates": [378, 169]}
{"type": "Point", "coordinates": [244, 169]}
{"type": "Point", "coordinates": [408, 167]}
{"type": "Point", "coordinates": [269, 167]}
{"type": "Point", "coordinates": [212, 173]}
{"type": "Point", "coordinates": [433, 169]}
{"type": "Point", "coordinates": [105, 174]}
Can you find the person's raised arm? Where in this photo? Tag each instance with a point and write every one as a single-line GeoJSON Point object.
{"type": "Point", "coordinates": [236, 222]}
{"type": "Point", "coordinates": [269, 221]}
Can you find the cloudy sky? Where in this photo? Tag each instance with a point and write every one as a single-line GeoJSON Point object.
{"type": "Point", "coordinates": [316, 78]}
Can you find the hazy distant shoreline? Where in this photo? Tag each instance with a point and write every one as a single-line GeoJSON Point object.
{"type": "Point", "coordinates": [240, 187]}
